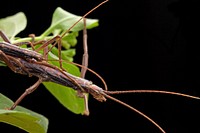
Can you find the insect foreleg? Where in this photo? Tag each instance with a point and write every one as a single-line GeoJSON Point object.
{"type": "Point", "coordinates": [84, 69]}
{"type": "Point", "coordinates": [85, 50]}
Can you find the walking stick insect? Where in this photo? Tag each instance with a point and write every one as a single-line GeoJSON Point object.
{"type": "Point", "coordinates": [32, 63]}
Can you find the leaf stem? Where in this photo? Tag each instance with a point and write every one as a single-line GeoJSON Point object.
{"type": "Point", "coordinates": [27, 39]}
{"type": "Point", "coordinates": [47, 31]}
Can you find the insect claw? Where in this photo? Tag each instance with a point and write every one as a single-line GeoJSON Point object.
{"type": "Point", "coordinates": [86, 113]}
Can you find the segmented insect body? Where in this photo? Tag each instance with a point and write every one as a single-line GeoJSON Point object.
{"type": "Point", "coordinates": [49, 73]}
{"type": "Point", "coordinates": [12, 50]}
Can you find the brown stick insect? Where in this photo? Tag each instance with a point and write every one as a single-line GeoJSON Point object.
{"type": "Point", "coordinates": [30, 62]}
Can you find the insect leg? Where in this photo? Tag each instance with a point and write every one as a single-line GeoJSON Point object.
{"type": "Point", "coordinates": [27, 91]}
{"type": "Point", "coordinates": [4, 58]}
{"type": "Point", "coordinates": [34, 43]}
{"type": "Point", "coordinates": [13, 63]}
{"type": "Point", "coordinates": [85, 49]}
{"type": "Point", "coordinates": [84, 69]}
{"type": "Point", "coordinates": [4, 37]}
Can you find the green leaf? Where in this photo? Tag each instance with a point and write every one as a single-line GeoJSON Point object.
{"type": "Point", "coordinates": [2, 63]}
{"type": "Point", "coordinates": [21, 117]}
{"type": "Point", "coordinates": [70, 52]}
{"type": "Point", "coordinates": [67, 97]}
{"type": "Point", "coordinates": [69, 40]}
{"type": "Point", "coordinates": [12, 25]}
{"type": "Point", "coordinates": [63, 20]}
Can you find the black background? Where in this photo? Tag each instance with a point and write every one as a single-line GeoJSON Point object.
{"type": "Point", "coordinates": [139, 45]}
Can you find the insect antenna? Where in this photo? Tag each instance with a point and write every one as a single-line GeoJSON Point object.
{"type": "Point", "coordinates": [134, 109]}
{"type": "Point", "coordinates": [152, 91]}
